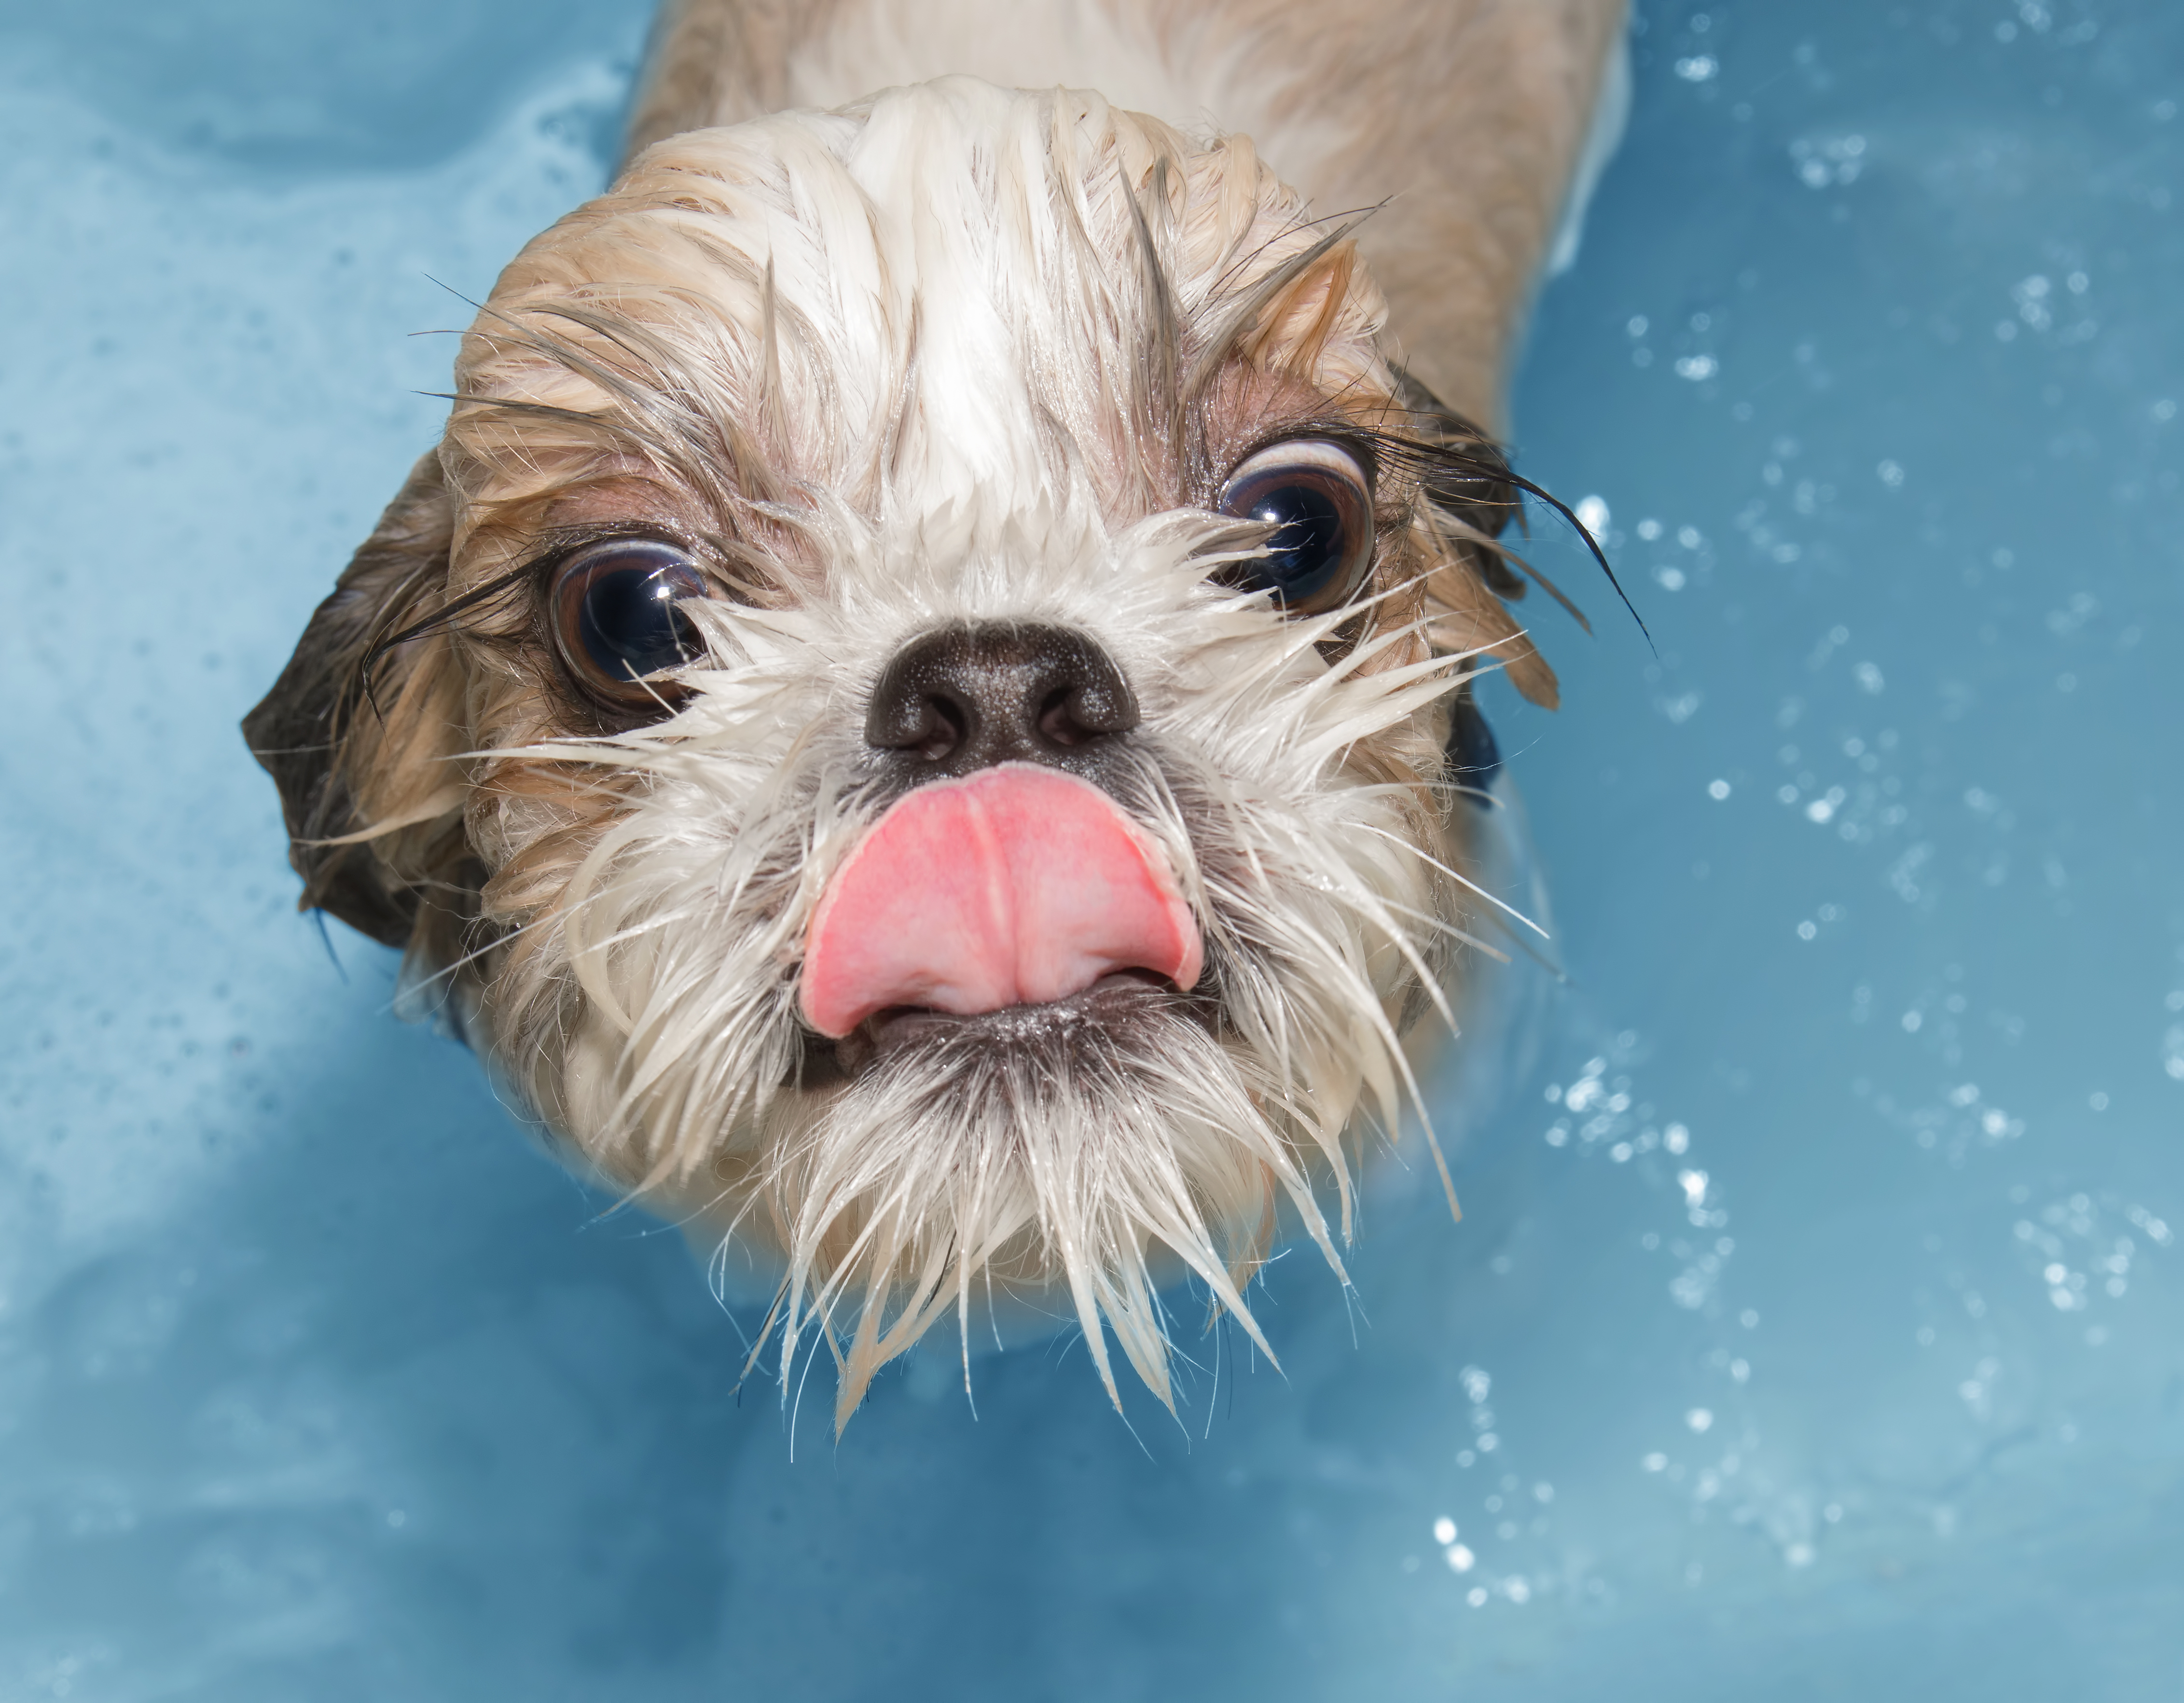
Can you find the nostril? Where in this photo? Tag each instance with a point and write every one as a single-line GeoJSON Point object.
{"type": "Point", "coordinates": [940, 729]}
{"type": "Point", "coordinates": [1057, 721]}
{"type": "Point", "coordinates": [921, 718]}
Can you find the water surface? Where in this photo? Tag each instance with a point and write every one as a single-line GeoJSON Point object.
{"type": "Point", "coordinates": [1816, 1327]}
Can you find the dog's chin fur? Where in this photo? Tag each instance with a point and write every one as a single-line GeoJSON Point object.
{"type": "Point", "coordinates": [653, 1009]}
{"type": "Point", "coordinates": [958, 353]}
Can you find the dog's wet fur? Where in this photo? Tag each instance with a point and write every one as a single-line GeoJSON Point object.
{"type": "Point", "coordinates": [945, 387]}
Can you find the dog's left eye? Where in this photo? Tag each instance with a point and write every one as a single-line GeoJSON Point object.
{"type": "Point", "coordinates": [618, 617]}
{"type": "Point", "coordinates": [1316, 498]}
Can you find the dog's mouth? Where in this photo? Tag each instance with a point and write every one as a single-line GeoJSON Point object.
{"type": "Point", "coordinates": [1115, 1000]}
{"type": "Point", "coordinates": [1017, 906]}
{"type": "Point", "coordinates": [1114, 1010]}
{"type": "Point", "coordinates": [1017, 887]}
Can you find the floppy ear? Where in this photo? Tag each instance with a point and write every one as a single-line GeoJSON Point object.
{"type": "Point", "coordinates": [373, 807]}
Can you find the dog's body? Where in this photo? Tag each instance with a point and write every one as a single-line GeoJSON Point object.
{"type": "Point", "coordinates": [1475, 116]}
{"type": "Point", "coordinates": [910, 713]}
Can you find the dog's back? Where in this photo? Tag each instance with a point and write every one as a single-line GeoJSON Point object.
{"type": "Point", "coordinates": [1474, 117]}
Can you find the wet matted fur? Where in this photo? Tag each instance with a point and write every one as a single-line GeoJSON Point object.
{"type": "Point", "coordinates": [952, 356]}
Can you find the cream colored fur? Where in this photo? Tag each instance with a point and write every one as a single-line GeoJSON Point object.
{"type": "Point", "coordinates": [958, 351]}
{"type": "Point", "coordinates": [1471, 114]}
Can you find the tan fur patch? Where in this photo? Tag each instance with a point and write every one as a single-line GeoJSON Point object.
{"type": "Point", "coordinates": [952, 354]}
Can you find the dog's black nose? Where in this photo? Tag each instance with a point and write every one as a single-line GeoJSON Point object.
{"type": "Point", "coordinates": [965, 697]}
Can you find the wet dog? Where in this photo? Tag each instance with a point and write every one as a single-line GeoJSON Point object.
{"type": "Point", "coordinates": [919, 711]}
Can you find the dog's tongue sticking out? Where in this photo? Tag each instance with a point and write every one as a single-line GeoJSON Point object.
{"type": "Point", "coordinates": [1014, 885]}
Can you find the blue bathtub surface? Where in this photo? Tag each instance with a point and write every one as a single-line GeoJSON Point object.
{"type": "Point", "coordinates": [1816, 1327]}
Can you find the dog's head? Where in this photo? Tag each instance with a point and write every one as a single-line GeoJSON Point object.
{"type": "Point", "coordinates": [912, 710]}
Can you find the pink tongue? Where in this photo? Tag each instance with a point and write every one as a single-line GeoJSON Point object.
{"type": "Point", "coordinates": [1016, 886]}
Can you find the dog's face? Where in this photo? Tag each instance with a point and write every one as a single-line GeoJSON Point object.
{"type": "Point", "coordinates": [909, 712]}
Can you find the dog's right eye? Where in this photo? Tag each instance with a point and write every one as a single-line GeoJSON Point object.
{"type": "Point", "coordinates": [1318, 504]}
{"type": "Point", "coordinates": [619, 620]}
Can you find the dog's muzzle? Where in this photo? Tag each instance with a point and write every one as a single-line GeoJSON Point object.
{"type": "Point", "coordinates": [1008, 875]}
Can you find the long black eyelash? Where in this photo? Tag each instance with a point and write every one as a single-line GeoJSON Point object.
{"type": "Point", "coordinates": [439, 620]}
{"type": "Point", "coordinates": [1488, 466]}
{"type": "Point", "coordinates": [1592, 544]}
{"type": "Point", "coordinates": [536, 569]}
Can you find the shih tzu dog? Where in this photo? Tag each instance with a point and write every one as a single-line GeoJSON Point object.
{"type": "Point", "coordinates": [919, 711]}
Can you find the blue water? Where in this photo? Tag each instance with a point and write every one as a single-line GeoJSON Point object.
{"type": "Point", "coordinates": [317, 1382]}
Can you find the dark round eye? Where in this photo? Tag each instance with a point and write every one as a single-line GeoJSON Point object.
{"type": "Point", "coordinates": [1314, 496]}
{"type": "Point", "coordinates": [618, 618]}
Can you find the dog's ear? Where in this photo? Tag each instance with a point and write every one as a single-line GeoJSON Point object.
{"type": "Point", "coordinates": [358, 745]}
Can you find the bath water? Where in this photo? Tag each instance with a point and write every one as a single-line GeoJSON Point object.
{"type": "Point", "coordinates": [1816, 1326]}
